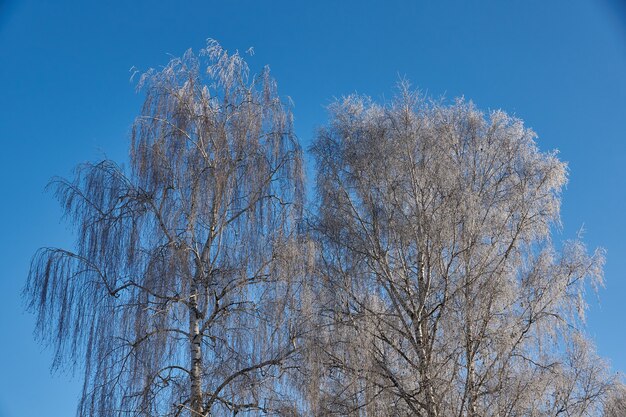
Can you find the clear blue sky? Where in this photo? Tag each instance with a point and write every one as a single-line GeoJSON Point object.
{"type": "Point", "coordinates": [66, 98]}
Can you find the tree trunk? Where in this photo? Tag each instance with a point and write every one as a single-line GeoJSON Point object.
{"type": "Point", "coordinates": [196, 354]}
{"type": "Point", "coordinates": [423, 341]}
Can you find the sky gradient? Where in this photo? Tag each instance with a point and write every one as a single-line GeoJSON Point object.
{"type": "Point", "coordinates": [67, 98]}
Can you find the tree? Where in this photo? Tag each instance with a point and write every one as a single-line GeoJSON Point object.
{"type": "Point", "coordinates": [445, 293]}
{"type": "Point", "coordinates": [436, 288]}
{"type": "Point", "coordinates": [179, 297]}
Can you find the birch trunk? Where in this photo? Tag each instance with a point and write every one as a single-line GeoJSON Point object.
{"type": "Point", "coordinates": [195, 346]}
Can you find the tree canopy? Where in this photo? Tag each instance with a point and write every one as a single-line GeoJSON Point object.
{"type": "Point", "coordinates": [425, 279]}
{"type": "Point", "coordinates": [177, 298]}
{"type": "Point", "coordinates": [448, 295]}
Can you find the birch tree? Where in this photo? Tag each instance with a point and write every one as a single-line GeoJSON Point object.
{"type": "Point", "coordinates": [444, 291]}
{"type": "Point", "coordinates": [179, 296]}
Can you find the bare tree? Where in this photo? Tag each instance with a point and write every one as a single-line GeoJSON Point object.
{"type": "Point", "coordinates": [443, 293]}
{"type": "Point", "coordinates": [437, 290]}
{"type": "Point", "coordinates": [179, 296]}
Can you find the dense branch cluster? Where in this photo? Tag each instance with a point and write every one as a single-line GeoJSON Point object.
{"type": "Point", "coordinates": [425, 281]}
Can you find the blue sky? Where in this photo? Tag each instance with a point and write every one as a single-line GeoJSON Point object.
{"type": "Point", "coordinates": [66, 98]}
